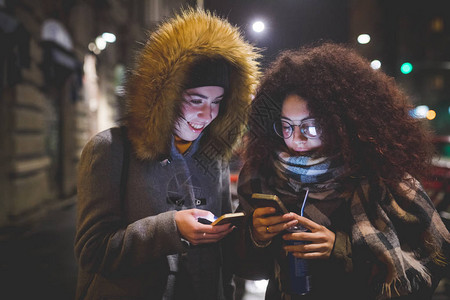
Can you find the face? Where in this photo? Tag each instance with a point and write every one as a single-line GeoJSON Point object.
{"type": "Point", "coordinates": [200, 108]}
{"type": "Point", "coordinates": [295, 111]}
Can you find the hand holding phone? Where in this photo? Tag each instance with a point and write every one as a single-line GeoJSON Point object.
{"type": "Point", "coordinates": [266, 224]}
{"type": "Point", "coordinates": [189, 228]}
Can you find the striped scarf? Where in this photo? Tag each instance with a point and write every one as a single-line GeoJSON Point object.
{"type": "Point", "coordinates": [399, 227]}
{"type": "Point", "coordinates": [318, 175]}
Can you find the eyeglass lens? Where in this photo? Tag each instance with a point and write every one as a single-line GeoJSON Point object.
{"type": "Point", "coordinates": [308, 128]}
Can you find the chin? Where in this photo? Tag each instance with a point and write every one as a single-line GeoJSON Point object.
{"type": "Point", "coordinates": [187, 134]}
{"type": "Point", "coordinates": [189, 138]}
{"type": "Point", "coordinates": [307, 152]}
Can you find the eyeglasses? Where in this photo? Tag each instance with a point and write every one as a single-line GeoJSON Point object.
{"type": "Point", "coordinates": [308, 128]}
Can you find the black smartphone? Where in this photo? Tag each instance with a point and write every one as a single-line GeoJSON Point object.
{"type": "Point", "coordinates": [267, 200]}
{"type": "Point", "coordinates": [204, 221]}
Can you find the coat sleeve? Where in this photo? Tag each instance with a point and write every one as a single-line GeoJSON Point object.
{"type": "Point", "coordinates": [104, 242]}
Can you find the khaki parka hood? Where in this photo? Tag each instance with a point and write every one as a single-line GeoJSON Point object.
{"type": "Point", "coordinates": [155, 85]}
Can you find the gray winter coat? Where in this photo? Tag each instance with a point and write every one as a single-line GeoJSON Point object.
{"type": "Point", "coordinates": [131, 247]}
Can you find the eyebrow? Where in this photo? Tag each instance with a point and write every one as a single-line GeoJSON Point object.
{"type": "Point", "coordinates": [307, 118]}
{"type": "Point", "coordinates": [203, 96]}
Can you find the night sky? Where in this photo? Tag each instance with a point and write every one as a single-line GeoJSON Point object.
{"type": "Point", "coordinates": [289, 23]}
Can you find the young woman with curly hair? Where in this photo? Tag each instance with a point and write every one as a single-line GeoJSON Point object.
{"type": "Point", "coordinates": [334, 140]}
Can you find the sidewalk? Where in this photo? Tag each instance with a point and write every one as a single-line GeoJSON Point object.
{"type": "Point", "coordinates": [39, 263]}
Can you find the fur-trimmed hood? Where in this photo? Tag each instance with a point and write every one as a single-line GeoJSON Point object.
{"type": "Point", "coordinates": [155, 86]}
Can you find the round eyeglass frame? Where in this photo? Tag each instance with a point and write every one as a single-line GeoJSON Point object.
{"type": "Point", "coordinates": [303, 131]}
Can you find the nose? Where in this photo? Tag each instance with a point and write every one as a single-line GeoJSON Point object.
{"type": "Point", "coordinates": [297, 135]}
{"type": "Point", "coordinates": [205, 112]}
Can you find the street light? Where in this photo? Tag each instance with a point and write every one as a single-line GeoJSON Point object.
{"type": "Point", "coordinates": [258, 26]}
{"type": "Point", "coordinates": [363, 38]}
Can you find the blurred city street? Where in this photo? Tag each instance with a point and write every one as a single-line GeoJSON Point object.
{"type": "Point", "coordinates": [64, 68]}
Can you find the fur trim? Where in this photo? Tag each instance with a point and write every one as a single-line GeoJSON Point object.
{"type": "Point", "coordinates": [155, 86]}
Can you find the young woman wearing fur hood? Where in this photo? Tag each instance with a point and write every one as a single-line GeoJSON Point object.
{"type": "Point", "coordinates": [142, 187]}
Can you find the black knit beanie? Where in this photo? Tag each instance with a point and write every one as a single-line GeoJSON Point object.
{"type": "Point", "coordinates": [208, 72]}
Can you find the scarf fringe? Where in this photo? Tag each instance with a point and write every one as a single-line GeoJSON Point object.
{"type": "Point", "coordinates": [439, 259]}
{"type": "Point", "coordinates": [387, 289]}
{"type": "Point", "coordinates": [401, 286]}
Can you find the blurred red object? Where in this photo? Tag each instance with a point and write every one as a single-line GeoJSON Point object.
{"type": "Point", "coordinates": [437, 184]}
{"type": "Point", "coordinates": [234, 178]}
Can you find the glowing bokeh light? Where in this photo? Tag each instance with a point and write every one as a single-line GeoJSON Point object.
{"type": "Point", "coordinates": [363, 38]}
{"type": "Point", "coordinates": [431, 114]}
{"type": "Point", "coordinates": [109, 37]}
{"type": "Point", "coordinates": [406, 68]}
{"type": "Point", "coordinates": [258, 26]}
{"type": "Point", "coordinates": [375, 64]}
{"type": "Point", "coordinates": [100, 43]}
{"type": "Point", "coordinates": [421, 111]}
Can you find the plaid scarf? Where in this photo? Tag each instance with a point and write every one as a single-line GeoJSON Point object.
{"type": "Point", "coordinates": [399, 227]}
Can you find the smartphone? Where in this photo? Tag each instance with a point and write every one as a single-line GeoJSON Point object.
{"type": "Point", "coordinates": [267, 200]}
{"type": "Point", "coordinates": [233, 218]}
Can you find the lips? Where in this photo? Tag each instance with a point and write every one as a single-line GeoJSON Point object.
{"type": "Point", "coordinates": [302, 148]}
{"type": "Point", "coordinates": [197, 127]}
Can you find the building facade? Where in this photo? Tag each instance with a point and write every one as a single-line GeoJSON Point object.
{"type": "Point", "coordinates": [58, 88]}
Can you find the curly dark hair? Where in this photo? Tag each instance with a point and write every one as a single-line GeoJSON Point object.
{"type": "Point", "coordinates": [363, 114]}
